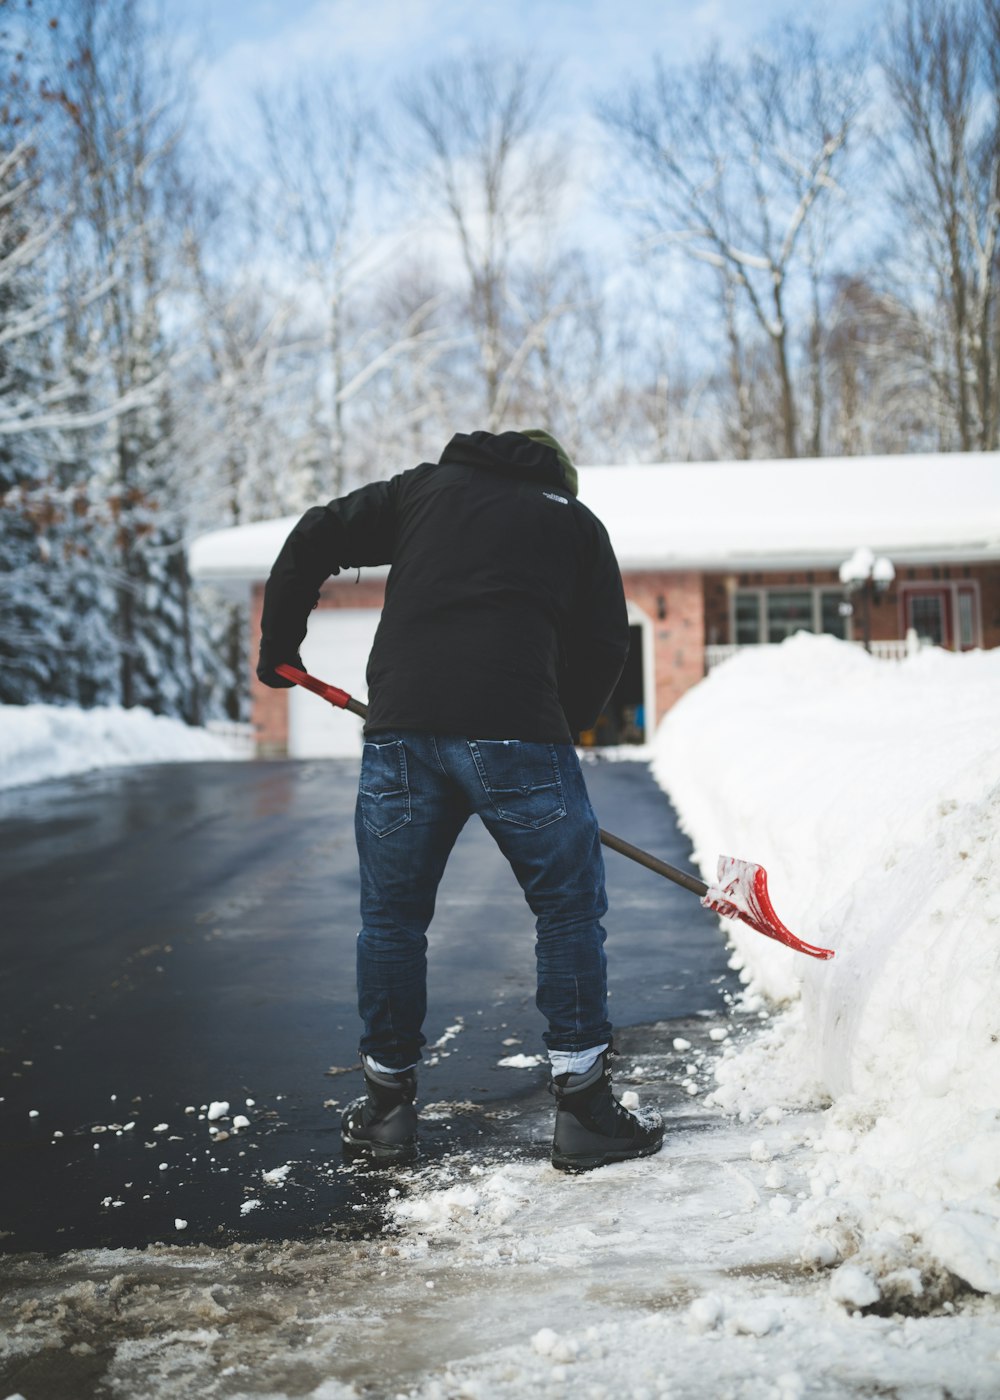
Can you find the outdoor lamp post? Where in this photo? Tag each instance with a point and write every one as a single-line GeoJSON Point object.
{"type": "Point", "coordinates": [868, 575]}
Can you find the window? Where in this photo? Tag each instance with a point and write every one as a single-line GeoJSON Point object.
{"type": "Point", "coordinates": [789, 612]}
{"type": "Point", "coordinates": [772, 614]}
{"type": "Point", "coordinates": [966, 618]}
{"type": "Point", "coordinates": [927, 617]}
{"type": "Point", "coordinates": [747, 617]}
{"type": "Point", "coordinates": [943, 614]}
{"type": "Point", "coordinates": [832, 618]}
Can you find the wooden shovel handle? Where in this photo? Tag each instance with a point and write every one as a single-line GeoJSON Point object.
{"type": "Point", "coordinates": [641, 857]}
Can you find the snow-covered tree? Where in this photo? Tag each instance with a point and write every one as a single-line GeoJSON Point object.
{"type": "Point", "coordinates": [121, 158]}
{"type": "Point", "coordinates": [54, 641]}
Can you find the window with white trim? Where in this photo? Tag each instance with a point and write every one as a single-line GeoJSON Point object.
{"type": "Point", "coordinates": [772, 614]}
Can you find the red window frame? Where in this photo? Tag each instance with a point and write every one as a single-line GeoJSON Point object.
{"type": "Point", "coordinates": [949, 591]}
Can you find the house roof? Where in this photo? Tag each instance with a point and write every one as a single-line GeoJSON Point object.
{"type": "Point", "coordinates": [720, 516]}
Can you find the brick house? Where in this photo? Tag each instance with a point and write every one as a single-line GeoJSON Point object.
{"type": "Point", "coordinates": [714, 556]}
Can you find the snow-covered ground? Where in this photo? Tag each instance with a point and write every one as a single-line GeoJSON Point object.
{"type": "Point", "coordinates": [823, 1220]}
{"type": "Point", "coordinates": [53, 741]}
{"type": "Point", "coordinates": [871, 791]}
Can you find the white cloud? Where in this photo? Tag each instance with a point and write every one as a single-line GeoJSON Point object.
{"type": "Point", "coordinates": [599, 44]}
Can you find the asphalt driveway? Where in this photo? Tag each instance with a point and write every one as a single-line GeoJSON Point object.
{"type": "Point", "coordinates": [179, 936]}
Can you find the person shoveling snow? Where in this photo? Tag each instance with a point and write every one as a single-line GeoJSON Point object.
{"type": "Point", "coordinates": [504, 633]}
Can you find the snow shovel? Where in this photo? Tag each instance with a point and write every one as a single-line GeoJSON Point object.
{"type": "Point", "coordinates": [740, 889]}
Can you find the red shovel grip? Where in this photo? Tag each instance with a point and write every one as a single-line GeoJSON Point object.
{"type": "Point", "coordinates": [332, 693]}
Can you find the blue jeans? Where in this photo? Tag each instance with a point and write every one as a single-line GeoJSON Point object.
{"type": "Point", "coordinates": [416, 793]}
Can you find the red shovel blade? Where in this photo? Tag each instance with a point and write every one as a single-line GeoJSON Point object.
{"type": "Point", "coordinates": [740, 892]}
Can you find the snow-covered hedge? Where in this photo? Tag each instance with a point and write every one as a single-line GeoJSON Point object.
{"type": "Point", "coordinates": [870, 791]}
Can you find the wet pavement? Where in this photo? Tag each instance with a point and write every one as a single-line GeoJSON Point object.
{"type": "Point", "coordinates": [182, 935]}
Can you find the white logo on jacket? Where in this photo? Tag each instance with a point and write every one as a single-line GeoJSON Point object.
{"type": "Point", "coordinates": [549, 496]}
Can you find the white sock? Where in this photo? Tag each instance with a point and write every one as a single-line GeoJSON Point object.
{"type": "Point", "coordinates": [384, 1069]}
{"type": "Point", "coordinates": [574, 1061]}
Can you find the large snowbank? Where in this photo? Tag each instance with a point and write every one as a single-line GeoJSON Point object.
{"type": "Point", "coordinates": [871, 793]}
{"type": "Point", "coordinates": [53, 741]}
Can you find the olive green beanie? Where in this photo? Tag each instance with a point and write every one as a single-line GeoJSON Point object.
{"type": "Point", "coordinates": [547, 440]}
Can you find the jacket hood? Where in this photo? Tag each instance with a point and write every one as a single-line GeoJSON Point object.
{"type": "Point", "coordinates": [510, 454]}
{"type": "Point", "coordinates": [568, 469]}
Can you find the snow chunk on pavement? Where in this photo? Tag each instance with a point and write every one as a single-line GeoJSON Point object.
{"type": "Point", "coordinates": [854, 1287]}
{"type": "Point", "coordinates": [705, 1313]}
{"type": "Point", "coordinates": [496, 1199]}
{"type": "Point", "coordinates": [753, 1319]}
{"type": "Point", "coordinates": [546, 1342]}
{"type": "Point", "coordinates": [521, 1061]}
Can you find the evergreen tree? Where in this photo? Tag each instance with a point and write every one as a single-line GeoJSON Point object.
{"type": "Point", "coordinates": [46, 563]}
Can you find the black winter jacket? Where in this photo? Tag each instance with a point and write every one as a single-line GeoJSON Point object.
{"type": "Point", "coordinates": [504, 613]}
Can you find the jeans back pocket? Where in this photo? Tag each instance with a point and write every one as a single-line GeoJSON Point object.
{"type": "Point", "coordinates": [383, 791]}
{"type": "Point", "coordinates": [521, 780]}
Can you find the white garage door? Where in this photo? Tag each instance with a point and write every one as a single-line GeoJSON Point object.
{"type": "Point", "coordinates": [336, 649]}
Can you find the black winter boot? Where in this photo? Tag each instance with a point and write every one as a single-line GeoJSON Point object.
{"type": "Point", "coordinates": [592, 1128]}
{"type": "Point", "coordinates": [382, 1126]}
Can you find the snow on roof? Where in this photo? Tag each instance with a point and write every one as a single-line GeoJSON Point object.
{"type": "Point", "coordinates": [803, 513]}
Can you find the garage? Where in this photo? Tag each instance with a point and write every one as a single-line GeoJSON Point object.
{"type": "Point", "coordinates": [336, 649]}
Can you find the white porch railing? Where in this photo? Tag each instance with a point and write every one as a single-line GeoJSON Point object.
{"type": "Point", "coordinates": [897, 649]}
{"type": "Point", "coordinates": [893, 650]}
{"type": "Point", "coordinates": [716, 654]}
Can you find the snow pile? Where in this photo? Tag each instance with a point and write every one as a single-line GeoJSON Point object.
{"type": "Point", "coordinates": [871, 793]}
{"type": "Point", "coordinates": [53, 741]}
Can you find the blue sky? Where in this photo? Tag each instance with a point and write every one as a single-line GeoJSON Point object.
{"type": "Point", "coordinates": [600, 47]}
{"type": "Point", "coordinates": [600, 44]}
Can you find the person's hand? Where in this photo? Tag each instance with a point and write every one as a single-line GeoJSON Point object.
{"type": "Point", "coordinates": [267, 674]}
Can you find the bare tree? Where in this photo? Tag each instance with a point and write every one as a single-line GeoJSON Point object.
{"type": "Point", "coordinates": [233, 428]}
{"type": "Point", "coordinates": [645, 399]}
{"type": "Point", "coordinates": [878, 397]}
{"type": "Point", "coordinates": [482, 145]}
{"type": "Point", "coordinates": [561, 303]}
{"type": "Point", "coordinates": [317, 136]}
{"type": "Point", "coordinates": [321, 212]}
{"type": "Point", "coordinates": [737, 160]}
{"type": "Point", "coordinates": [942, 67]}
{"type": "Point", "coordinates": [407, 411]}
